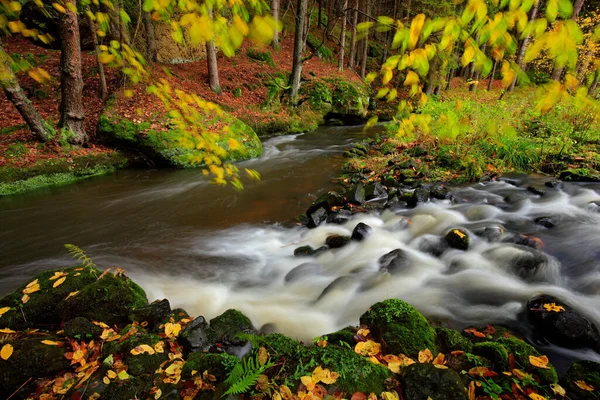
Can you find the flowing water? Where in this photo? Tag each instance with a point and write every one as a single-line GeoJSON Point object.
{"type": "Point", "coordinates": [208, 249]}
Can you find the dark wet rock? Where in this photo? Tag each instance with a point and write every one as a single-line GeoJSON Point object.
{"type": "Point", "coordinates": [302, 271]}
{"type": "Point", "coordinates": [493, 233]}
{"type": "Point", "coordinates": [343, 283]}
{"type": "Point", "coordinates": [374, 190]}
{"type": "Point", "coordinates": [196, 336]}
{"type": "Point", "coordinates": [304, 251]}
{"type": "Point", "coordinates": [420, 195]}
{"type": "Point", "coordinates": [317, 218]}
{"type": "Point", "coordinates": [528, 241]}
{"type": "Point", "coordinates": [434, 245]}
{"type": "Point", "coordinates": [546, 222]}
{"type": "Point", "coordinates": [529, 264]}
{"type": "Point", "coordinates": [556, 184]}
{"type": "Point", "coordinates": [30, 359]}
{"type": "Point", "coordinates": [450, 340]}
{"type": "Point", "coordinates": [510, 181]}
{"type": "Point", "coordinates": [356, 194]}
{"type": "Point", "coordinates": [337, 241]}
{"type": "Point", "coordinates": [110, 299]}
{"type": "Point", "coordinates": [458, 239]}
{"type": "Point", "coordinates": [516, 197]}
{"type": "Point", "coordinates": [586, 371]}
{"type": "Point", "coordinates": [401, 327]}
{"type": "Point", "coordinates": [440, 192]}
{"type": "Point", "coordinates": [390, 181]}
{"type": "Point", "coordinates": [327, 201]}
{"type": "Point", "coordinates": [425, 381]}
{"type": "Point", "coordinates": [153, 313]}
{"type": "Point", "coordinates": [360, 232]}
{"type": "Point", "coordinates": [339, 216]}
{"type": "Point", "coordinates": [42, 307]}
{"type": "Point", "coordinates": [579, 175]}
{"type": "Point", "coordinates": [537, 189]}
{"type": "Point", "coordinates": [82, 329]}
{"type": "Point", "coordinates": [227, 325]}
{"type": "Point", "coordinates": [566, 328]}
{"type": "Point", "coordinates": [394, 262]}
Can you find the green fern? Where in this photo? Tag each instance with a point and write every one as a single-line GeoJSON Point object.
{"type": "Point", "coordinates": [80, 255]}
{"type": "Point", "coordinates": [245, 375]}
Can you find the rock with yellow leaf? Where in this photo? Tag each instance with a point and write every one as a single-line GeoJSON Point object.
{"type": "Point", "coordinates": [401, 327]}
{"type": "Point", "coordinates": [109, 299]}
{"type": "Point", "coordinates": [423, 381]}
{"type": "Point", "coordinates": [30, 358]}
{"type": "Point", "coordinates": [457, 239]}
{"type": "Point", "coordinates": [580, 378]}
{"type": "Point", "coordinates": [560, 324]}
{"type": "Point", "coordinates": [41, 307]}
{"type": "Point", "coordinates": [153, 313]}
{"type": "Point", "coordinates": [522, 351]}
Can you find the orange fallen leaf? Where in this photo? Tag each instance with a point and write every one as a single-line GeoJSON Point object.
{"type": "Point", "coordinates": [71, 295]}
{"type": "Point", "coordinates": [583, 385]}
{"type": "Point", "coordinates": [6, 330]}
{"type": "Point", "coordinates": [535, 396]}
{"type": "Point", "coordinates": [368, 348]}
{"type": "Point", "coordinates": [6, 351]}
{"type": "Point", "coordinates": [440, 359]}
{"type": "Point", "coordinates": [482, 371]}
{"type": "Point", "coordinates": [540, 362]}
{"type": "Point", "coordinates": [141, 349]}
{"type": "Point", "coordinates": [172, 330]}
{"type": "Point", "coordinates": [471, 391]}
{"type": "Point", "coordinates": [25, 298]}
{"type": "Point", "coordinates": [3, 310]}
{"type": "Point", "coordinates": [31, 287]}
{"type": "Point", "coordinates": [50, 342]}
{"type": "Point", "coordinates": [552, 307]}
{"type": "Point", "coordinates": [58, 275]}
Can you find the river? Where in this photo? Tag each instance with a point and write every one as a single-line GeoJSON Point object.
{"type": "Point", "coordinates": [209, 248]}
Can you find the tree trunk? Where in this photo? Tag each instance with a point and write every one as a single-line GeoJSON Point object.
{"type": "Point", "coordinates": [408, 10]}
{"type": "Point", "coordinates": [386, 44]}
{"type": "Point", "coordinates": [275, 9]}
{"type": "Point", "coordinates": [352, 58]}
{"type": "Point", "coordinates": [298, 45]}
{"type": "Point", "coordinates": [450, 77]}
{"type": "Point", "coordinates": [71, 83]}
{"type": "Point", "coordinates": [14, 93]}
{"type": "Point", "coordinates": [363, 67]}
{"type": "Point", "coordinates": [330, 18]}
{"type": "Point", "coordinates": [320, 14]}
{"type": "Point", "coordinates": [577, 6]}
{"type": "Point", "coordinates": [524, 45]}
{"type": "Point", "coordinates": [594, 85]}
{"type": "Point", "coordinates": [343, 37]}
{"type": "Point", "coordinates": [93, 29]}
{"type": "Point", "coordinates": [491, 81]}
{"type": "Point", "coordinates": [150, 36]}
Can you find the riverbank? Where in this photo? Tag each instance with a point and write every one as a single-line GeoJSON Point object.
{"type": "Point", "coordinates": [79, 330]}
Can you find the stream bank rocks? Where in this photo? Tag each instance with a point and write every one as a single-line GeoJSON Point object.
{"type": "Point", "coordinates": [150, 348]}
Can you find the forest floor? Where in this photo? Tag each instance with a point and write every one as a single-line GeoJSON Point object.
{"type": "Point", "coordinates": [242, 81]}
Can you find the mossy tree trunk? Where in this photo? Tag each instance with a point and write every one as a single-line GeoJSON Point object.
{"type": "Point", "coordinates": [71, 83]}
{"type": "Point", "coordinates": [275, 10]}
{"type": "Point", "coordinates": [491, 80]}
{"type": "Point", "coordinates": [15, 94]}
{"type": "Point", "coordinates": [343, 37]}
{"type": "Point", "coordinates": [213, 66]}
{"type": "Point", "coordinates": [298, 46]}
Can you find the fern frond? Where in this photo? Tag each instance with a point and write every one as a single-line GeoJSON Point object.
{"type": "Point", "coordinates": [245, 375]}
{"type": "Point", "coordinates": [80, 255]}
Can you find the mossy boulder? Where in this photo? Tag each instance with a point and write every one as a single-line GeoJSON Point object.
{"type": "Point", "coordinates": [153, 313]}
{"type": "Point", "coordinates": [458, 239]}
{"type": "Point", "coordinates": [226, 326]}
{"type": "Point", "coordinates": [401, 327]}
{"type": "Point", "coordinates": [82, 329]}
{"type": "Point", "coordinates": [586, 371]}
{"type": "Point", "coordinates": [348, 98]}
{"type": "Point", "coordinates": [425, 381]}
{"type": "Point", "coordinates": [521, 350]}
{"type": "Point", "coordinates": [495, 352]}
{"type": "Point", "coordinates": [342, 337]}
{"type": "Point", "coordinates": [357, 373]}
{"type": "Point", "coordinates": [30, 359]}
{"type": "Point", "coordinates": [171, 146]}
{"type": "Point", "coordinates": [42, 308]}
{"type": "Point", "coordinates": [109, 299]}
{"type": "Point", "coordinates": [450, 340]}
{"type": "Point", "coordinates": [217, 364]}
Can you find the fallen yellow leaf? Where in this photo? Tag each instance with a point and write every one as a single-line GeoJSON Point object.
{"type": "Point", "coordinates": [31, 287]}
{"type": "Point", "coordinates": [553, 307]}
{"type": "Point", "coordinates": [558, 390]}
{"type": "Point", "coordinates": [71, 295]}
{"type": "Point", "coordinates": [143, 348]}
{"type": "Point", "coordinates": [58, 275]}
{"type": "Point", "coordinates": [6, 351]}
{"type": "Point", "coordinates": [540, 362]}
{"type": "Point", "coordinates": [59, 282]}
{"type": "Point", "coordinates": [536, 396]}
{"type": "Point", "coordinates": [172, 330]}
{"type": "Point", "coordinates": [583, 385]}
{"type": "Point", "coordinates": [50, 342]}
{"type": "Point", "coordinates": [3, 310]}
{"type": "Point", "coordinates": [111, 374]}
{"type": "Point", "coordinates": [425, 356]}
{"type": "Point", "coordinates": [6, 330]}
{"type": "Point", "coordinates": [368, 348]}
{"type": "Point", "coordinates": [25, 298]}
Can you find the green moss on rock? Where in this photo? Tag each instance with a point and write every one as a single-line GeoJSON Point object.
{"type": "Point", "coordinates": [342, 337]}
{"type": "Point", "coordinates": [521, 351]}
{"type": "Point", "coordinates": [42, 308]}
{"type": "Point", "coordinates": [494, 352]}
{"type": "Point", "coordinates": [401, 327]}
{"type": "Point", "coordinates": [449, 340]}
{"type": "Point", "coordinates": [109, 300]}
{"type": "Point", "coordinates": [173, 147]}
{"type": "Point", "coordinates": [227, 325]}
{"type": "Point", "coordinates": [215, 364]}
{"type": "Point", "coordinates": [587, 371]}
{"type": "Point", "coordinates": [30, 359]}
{"type": "Point", "coordinates": [81, 328]}
{"type": "Point", "coordinates": [425, 381]}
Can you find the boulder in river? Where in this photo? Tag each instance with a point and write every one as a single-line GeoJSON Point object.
{"type": "Point", "coordinates": [587, 374]}
{"type": "Point", "coordinates": [153, 313]}
{"type": "Point", "coordinates": [440, 192]}
{"type": "Point", "coordinates": [360, 232]}
{"type": "Point", "coordinates": [337, 241]}
{"type": "Point", "coordinates": [317, 218]}
{"type": "Point", "coordinates": [401, 327]}
{"type": "Point", "coordinates": [458, 239]}
{"type": "Point", "coordinates": [356, 194]}
{"type": "Point", "coordinates": [394, 262]}
{"type": "Point", "coordinates": [420, 195]}
{"type": "Point", "coordinates": [425, 381]}
{"type": "Point", "coordinates": [560, 324]}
